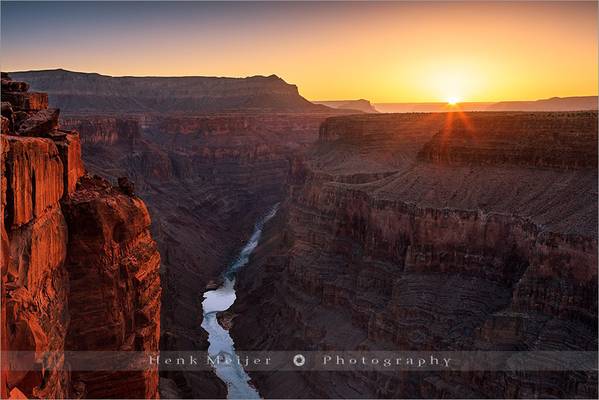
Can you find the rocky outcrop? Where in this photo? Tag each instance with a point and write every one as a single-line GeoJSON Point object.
{"type": "Point", "coordinates": [75, 254]}
{"type": "Point", "coordinates": [378, 248]}
{"type": "Point", "coordinates": [114, 285]}
{"type": "Point", "coordinates": [77, 92]}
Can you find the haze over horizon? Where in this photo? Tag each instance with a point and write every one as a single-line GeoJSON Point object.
{"type": "Point", "coordinates": [383, 52]}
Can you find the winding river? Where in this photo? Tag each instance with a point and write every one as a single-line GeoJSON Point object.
{"type": "Point", "coordinates": [220, 342]}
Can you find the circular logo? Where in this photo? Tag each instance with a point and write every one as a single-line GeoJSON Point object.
{"type": "Point", "coordinates": [299, 360]}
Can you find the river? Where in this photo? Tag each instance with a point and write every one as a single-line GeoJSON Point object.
{"type": "Point", "coordinates": [220, 342]}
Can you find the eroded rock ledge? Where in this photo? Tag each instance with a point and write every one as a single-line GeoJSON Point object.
{"type": "Point", "coordinates": [79, 267]}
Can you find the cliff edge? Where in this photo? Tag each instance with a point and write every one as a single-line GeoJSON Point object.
{"type": "Point", "coordinates": [79, 266]}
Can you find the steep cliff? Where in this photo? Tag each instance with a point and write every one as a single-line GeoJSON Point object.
{"type": "Point", "coordinates": [79, 267]}
{"type": "Point", "coordinates": [77, 92]}
{"type": "Point", "coordinates": [432, 232]}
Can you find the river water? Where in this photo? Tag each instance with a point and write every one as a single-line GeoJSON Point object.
{"type": "Point", "coordinates": [220, 342]}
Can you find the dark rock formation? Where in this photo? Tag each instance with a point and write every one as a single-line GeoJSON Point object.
{"type": "Point", "coordinates": [76, 92]}
{"type": "Point", "coordinates": [379, 249]}
{"type": "Point", "coordinates": [75, 255]}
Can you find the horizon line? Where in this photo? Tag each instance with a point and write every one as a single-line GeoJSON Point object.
{"type": "Point", "coordinates": [432, 102]}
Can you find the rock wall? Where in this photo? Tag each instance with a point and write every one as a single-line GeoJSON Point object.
{"type": "Point", "coordinates": [378, 248]}
{"type": "Point", "coordinates": [114, 298]}
{"type": "Point", "coordinates": [76, 253]}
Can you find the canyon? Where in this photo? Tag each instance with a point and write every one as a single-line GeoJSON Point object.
{"type": "Point", "coordinates": [427, 231]}
{"type": "Point", "coordinates": [79, 266]}
{"type": "Point", "coordinates": [436, 232]}
{"type": "Point", "coordinates": [206, 178]}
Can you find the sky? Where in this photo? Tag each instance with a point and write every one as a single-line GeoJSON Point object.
{"type": "Point", "coordinates": [382, 51]}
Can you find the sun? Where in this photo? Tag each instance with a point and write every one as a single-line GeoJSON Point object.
{"type": "Point", "coordinates": [452, 100]}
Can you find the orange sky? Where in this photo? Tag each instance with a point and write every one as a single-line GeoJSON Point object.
{"type": "Point", "coordinates": [385, 52]}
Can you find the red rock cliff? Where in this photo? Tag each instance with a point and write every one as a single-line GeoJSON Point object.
{"type": "Point", "coordinates": [79, 267]}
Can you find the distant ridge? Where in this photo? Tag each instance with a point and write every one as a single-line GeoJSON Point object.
{"type": "Point", "coordinates": [358, 105]}
{"type": "Point", "coordinates": [79, 92]}
{"type": "Point", "coordinates": [578, 103]}
{"type": "Point", "coordinates": [428, 107]}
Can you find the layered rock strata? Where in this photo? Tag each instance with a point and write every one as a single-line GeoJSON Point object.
{"type": "Point", "coordinates": [95, 93]}
{"type": "Point", "coordinates": [79, 267]}
{"type": "Point", "coordinates": [544, 140]}
{"type": "Point", "coordinates": [432, 232]}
